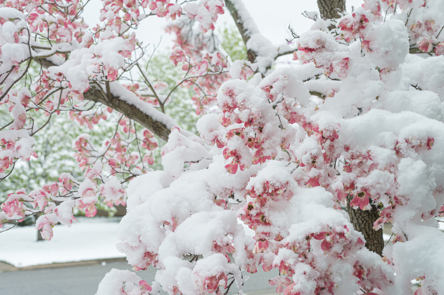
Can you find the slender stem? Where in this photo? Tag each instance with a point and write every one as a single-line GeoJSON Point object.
{"type": "Point", "coordinates": [229, 286]}
{"type": "Point", "coordinates": [439, 33]}
{"type": "Point", "coordinates": [7, 175]}
{"type": "Point", "coordinates": [50, 115]}
{"type": "Point", "coordinates": [162, 108]}
{"type": "Point", "coordinates": [21, 76]}
{"type": "Point", "coordinates": [189, 80]}
{"type": "Point", "coordinates": [15, 224]}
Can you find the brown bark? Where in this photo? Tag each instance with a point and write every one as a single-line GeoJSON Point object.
{"type": "Point", "coordinates": [238, 21]}
{"type": "Point", "coordinates": [251, 55]}
{"type": "Point", "coordinates": [331, 9]}
{"type": "Point", "coordinates": [39, 236]}
{"type": "Point", "coordinates": [363, 222]}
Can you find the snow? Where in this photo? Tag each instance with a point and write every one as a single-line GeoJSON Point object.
{"type": "Point", "coordinates": [266, 51]}
{"type": "Point", "coordinates": [85, 240]}
{"type": "Point", "coordinates": [424, 242]}
{"type": "Point", "coordinates": [390, 44]}
{"type": "Point", "coordinates": [426, 103]}
{"type": "Point", "coordinates": [124, 94]}
{"type": "Point", "coordinates": [112, 283]}
{"type": "Point", "coordinates": [181, 210]}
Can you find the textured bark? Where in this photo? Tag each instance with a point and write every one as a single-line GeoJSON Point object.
{"type": "Point", "coordinates": [39, 236]}
{"type": "Point", "coordinates": [363, 222]}
{"type": "Point", "coordinates": [330, 9]}
{"type": "Point", "coordinates": [238, 21]}
{"type": "Point", "coordinates": [251, 55]}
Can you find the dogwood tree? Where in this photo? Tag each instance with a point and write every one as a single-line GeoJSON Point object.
{"type": "Point", "coordinates": [296, 168]}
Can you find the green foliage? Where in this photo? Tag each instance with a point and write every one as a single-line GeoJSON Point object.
{"type": "Point", "coordinates": [233, 44]}
{"type": "Point", "coordinates": [179, 105]}
{"type": "Point", "coordinates": [55, 152]}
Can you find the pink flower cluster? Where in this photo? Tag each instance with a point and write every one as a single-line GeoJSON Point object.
{"type": "Point", "coordinates": [324, 52]}
{"type": "Point", "coordinates": [206, 12]}
{"type": "Point", "coordinates": [360, 165]}
{"type": "Point", "coordinates": [254, 214]}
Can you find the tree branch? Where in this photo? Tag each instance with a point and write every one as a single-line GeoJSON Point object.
{"type": "Point", "coordinates": [248, 29]}
{"type": "Point", "coordinates": [128, 105]}
{"type": "Point", "coordinates": [238, 21]}
{"type": "Point", "coordinates": [131, 111]}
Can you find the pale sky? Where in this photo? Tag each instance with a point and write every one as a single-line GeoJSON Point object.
{"type": "Point", "coordinates": [272, 18]}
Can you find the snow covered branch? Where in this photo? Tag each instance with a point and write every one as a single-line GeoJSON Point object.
{"type": "Point", "coordinates": [126, 103]}
{"type": "Point", "coordinates": [260, 49]}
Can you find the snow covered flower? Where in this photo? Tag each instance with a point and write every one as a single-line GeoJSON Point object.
{"type": "Point", "coordinates": [425, 44]}
{"type": "Point", "coordinates": [261, 246]}
{"type": "Point", "coordinates": [45, 223]}
{"type": "Point", "coordinates": [361, 200]}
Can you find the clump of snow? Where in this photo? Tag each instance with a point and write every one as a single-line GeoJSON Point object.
{"type": "Point", "coordinates": [426, 103]}
{"type": "Point", "coordinates": [389, 44]}
{"type": "Point", "coordinates": [117, 281]}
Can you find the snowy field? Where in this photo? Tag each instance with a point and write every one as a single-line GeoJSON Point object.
{"type": "Point", "coordinates": [88, 239]}
{"type": "Point", "coordinates": [85, 240]}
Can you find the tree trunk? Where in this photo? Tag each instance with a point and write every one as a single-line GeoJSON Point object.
{"type": "Point", "coordinates": [363, 222]}
{"type": "Point", "coordinates": [39, 236]}
{"type": "Point", "coordinates": [331, 9]}
{"type": "Point", "coordinates": [39, 233]}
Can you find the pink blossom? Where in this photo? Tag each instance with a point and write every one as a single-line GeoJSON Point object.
{"type": "Point", "coordinates": [144, 286]}
{"type": "Point", "coordinates": [45, 223]}
{"type": "Point", "coordinates": [261, 246]}
{"type": "Point", "coordinates": [90, 208]}
{"type": "Point", "coordinates": [202, 67]}
{"type": "Point", "coordinates": [177, 56]}
{"type": "Point", "coordinates": [439, 49]}
{"type": "Point", "coordinates": [425, 44]}
{"type": "Point", "coordinates": [326, 241]}
{"type": "Point", "coordinates": [174, 10]}
{"type": "Point", "coordinates": [14, 209]}
{"type": "Point", "coordinates": [280, 282]}
{"type": "Point", "coordinates": [361, 200]}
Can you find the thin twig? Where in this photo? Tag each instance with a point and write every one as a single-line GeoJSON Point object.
{"type": "Point", "coordinates": [162, 108]}
{"type": "Point", "coordinates": [15, 224]}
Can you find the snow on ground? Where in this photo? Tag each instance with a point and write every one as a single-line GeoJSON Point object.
{"type": "Point", "coordinates": [85, 240]}
{"type": "Point", "coordinates": [88, 239]}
